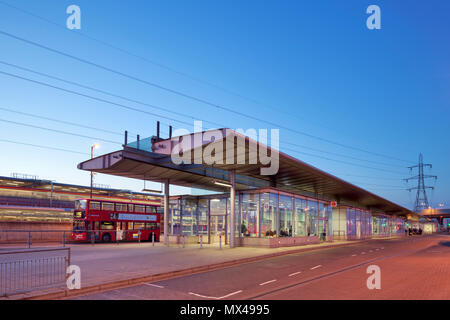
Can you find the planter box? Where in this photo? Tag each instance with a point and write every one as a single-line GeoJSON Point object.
{"type": "Point", "coordinates": [278, 242]}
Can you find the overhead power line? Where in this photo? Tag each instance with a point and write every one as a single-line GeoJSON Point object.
{"type": "Point", "coordinates": [105, 92]}
{"type": "Point", "coordinates": [61, 121]}
{"type": "Point", "coordinates": [193, 98]}
{"type": "Point", "coordinates": [93, 98]}
{"type": "Point", "coordinates": [135, 109]}
{"type": "Point", "coordinates": [341, 161]}
{"type": "Point", "coordinates": [167, 110]}
{"type": "Point", "coordinates": [343, 155]}
{"type": "Point", "coordinates": [58, 131]}
{"type": "Point", "coordinates": [42, 146]}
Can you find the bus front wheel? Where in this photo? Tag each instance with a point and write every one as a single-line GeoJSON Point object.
{"type": "Point", "coordinates": [106, 237]}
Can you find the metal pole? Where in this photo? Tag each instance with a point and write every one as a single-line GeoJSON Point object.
{"type": "Point", "coordinates": [29, 240]}
{"type": "Point", "coordinates": [51, 194]}
{"type": "Point", "coordinates": [201, 241]}
{"type": "Point", "coordinates": [166, 212]}
{"type": "Point", "coordinates": [92, 175]}
{"type": "Point", "coordinates": [232, 209]}
{"type": "Point", "coordinates": [153, 239]}
{"type": "Point", "coordinates": [139, 236]}
{"type": "Point", "coordinates": [182, 240]}
{"type": "Point", "coordinates": [64, 239]}
{"type": "Point", "coordinates": [93, 238]}
{"type": "Point", "coordinates": [220, 241]}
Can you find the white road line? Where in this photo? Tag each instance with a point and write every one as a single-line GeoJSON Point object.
{"type": "Point", "coordinates": [377, 249]}
{"type": "Point", "coordinates": [215, 298]}
{"type": "Point", "coordinates": [363, 253]}
{"type": "Point", "coordinates": [154, 285]}
{"type": "Point", "coordinates": [370, 250]}
{"type": "Point", "coordinates": [264, 283]}
{"type": "Point", "coordinates": [316, 267]}
{"type": "Point", "coordinates": [353, 255]}
{"type": "Point", "coordinates": [294, 274]}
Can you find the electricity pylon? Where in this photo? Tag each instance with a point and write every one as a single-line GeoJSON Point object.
{"type": "Point", "coordinates": [421, 196]}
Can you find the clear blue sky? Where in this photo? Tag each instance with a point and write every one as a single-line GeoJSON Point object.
{"type": "Point", "coordinates": [309, 65]}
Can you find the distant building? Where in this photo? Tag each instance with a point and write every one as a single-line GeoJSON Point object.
{"type": "Point", "coordinates": [29, 199]}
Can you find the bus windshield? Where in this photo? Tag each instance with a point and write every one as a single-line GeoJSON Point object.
{"type": "Point", "coordinates": [80, 204]}
{"type": "Point", "coordinates": [78, 225]}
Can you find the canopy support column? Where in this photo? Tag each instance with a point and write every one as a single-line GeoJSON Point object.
{"type": "Point", "coordinates": [232, 208]}
{"type": "Point", "coordinates": [166, 212]}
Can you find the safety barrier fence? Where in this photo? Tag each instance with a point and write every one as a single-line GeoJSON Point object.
{"type": "Point", "coordinates": [28, 238]}
{"type": "Point", "coordinates": [28, 270]}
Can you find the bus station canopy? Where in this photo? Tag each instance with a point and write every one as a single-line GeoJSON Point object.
{"type": "Point", "coordinates": [152, 161]}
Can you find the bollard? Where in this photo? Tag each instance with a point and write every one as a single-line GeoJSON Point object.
{"type": "Point", "coordinates": [201, 241]}
{"type": "Point", "coordinates": [220, 241]}
{"type": "Point", "coordinates": [139, 236]}
{"type": "Point", "coordinates": [182, 239]}
{"type": "Point", "coordinates": [29, 240]}
{"type": "Point", "coordinates": [64, 239]}
{"type": "Point", "coordinates": [153, 239]}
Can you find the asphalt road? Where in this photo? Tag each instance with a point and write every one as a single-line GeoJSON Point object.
{"type": "Point", "coordinates": [416, 267]}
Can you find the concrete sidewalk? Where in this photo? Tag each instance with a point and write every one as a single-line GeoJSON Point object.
{"type": "Point", "coordinates": [111, 265]}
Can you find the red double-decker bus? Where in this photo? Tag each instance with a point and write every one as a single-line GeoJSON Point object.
{"type": "Point", "coordinates": [107, 221]}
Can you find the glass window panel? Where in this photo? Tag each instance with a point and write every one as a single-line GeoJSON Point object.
{"type": "Point", "coordinates": [202, 218]}
{"type": "Point", "coordinates": [94, 205]}
{"type": "Point", "coordinates": [121, 207]}
{"type": "Point", "coordinates": [299, 218]}
{"type": "Point", "coordinates": [285, 216]}
{"type": "Point", "coordinates": [312, 218]}
{"type": "Point", "coordinates": [268, 209]}
{"type": "Point", "coordinates": [189, 217]}
{"type": "Point", "coordinates": [139, 208]}
{"type": "Point", "coordinates": [249, 213]}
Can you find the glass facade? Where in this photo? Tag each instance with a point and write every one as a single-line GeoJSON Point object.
{"type": "Point", "coordinates": [359, 224]}
{"type": "Point", "coordinates": [267, 214]}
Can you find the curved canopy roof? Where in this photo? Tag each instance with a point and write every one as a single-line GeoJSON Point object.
{"type": "Point", "coordinates": [153, 161]}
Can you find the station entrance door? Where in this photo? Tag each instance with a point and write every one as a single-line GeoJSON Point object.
{"type": "Point", "coordinates": [217, 227]}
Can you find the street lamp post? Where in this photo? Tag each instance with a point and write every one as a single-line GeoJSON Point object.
{"type": "Point", "coordinates": [95, 146]}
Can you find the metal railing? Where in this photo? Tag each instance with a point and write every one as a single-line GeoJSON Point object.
{"type": "Point", "coordinates": [30, 238]}
{"type": "Point", "coordinates": [25, 238]}
{"type": "Point", "coordinates": [28, 270]}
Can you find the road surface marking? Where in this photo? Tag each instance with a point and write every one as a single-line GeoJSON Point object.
{"type": "Point", "coordinates": [370, 250]}
{"type": "Point", "coordinates": [316, 267]}
{"type": "Point", "coordinates": [294, 274]}
{"type": "Point", "coordinates": [353, 255]}
{"type": "Point", "coordinates": [363, 253]}
{"type": "Point", "coordinates": [216, 298]}
{"type": "Point", "coordinates": [264, 283]}
{"type": "Point", "coordinates": [154, 285]}
{"type": "Point", "coordinates": [330, 274]}
{"type": "Point", "coordinates": [377, 249]}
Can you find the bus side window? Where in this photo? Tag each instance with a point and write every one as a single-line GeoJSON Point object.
{"type": "Point", "coordinates": [130, 225]}
{"type": "Point", "coordinates": [107, 206]}
{"type": "Point", "coordinates": [130, 208]}
{"type": "Point", "coordinates": [121, 207]}
{"type": "Point", "coordinates": [94, 205]}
